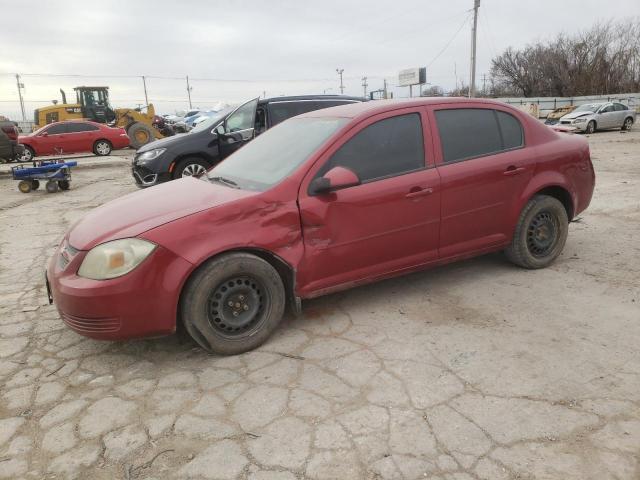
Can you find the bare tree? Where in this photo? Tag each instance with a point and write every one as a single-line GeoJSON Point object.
{"type": "Point", "coordinates": [603, 59]}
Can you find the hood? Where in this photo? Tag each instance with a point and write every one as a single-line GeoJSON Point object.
{"type": "Point", "coordinates": [166, 142]}
{"type": "Point", "coordinates": [572, 115]}
{"type": "Point", "coordinates": [143, 210]}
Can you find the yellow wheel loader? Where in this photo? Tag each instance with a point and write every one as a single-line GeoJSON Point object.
{"type": "Point", "coordinates": [92, 103]}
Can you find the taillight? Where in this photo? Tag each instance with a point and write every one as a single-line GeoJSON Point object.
{"type": "Point", "coordinates": [12, 132]}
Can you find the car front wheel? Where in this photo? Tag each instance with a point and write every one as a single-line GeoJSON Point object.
{"type": "Point", "coordinates": [27, 155]}
{"type": "Point", "coordinates": [190, 167]}
{"type": "Point", "coordinates": [233, 303]}
{"type": "Point", "coordinates": [540, 234]}
{"type": "Point", "coordinates": [591, 127]}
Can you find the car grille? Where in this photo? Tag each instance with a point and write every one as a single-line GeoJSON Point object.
{"type": "Point", "coordinates": [91, 325]}
{"type": "Point", "coordinates": [67, 252]}
{"type": "Point", "coordinates": [566, 122]}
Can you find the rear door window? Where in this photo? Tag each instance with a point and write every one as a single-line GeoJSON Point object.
{"type": "Point", "coordinates": [387, 148]}
{"type": "Point", "coordinates": [620, 107]}
{"type": "Point", "coordinates": [281, 111]}
{"type": "Point", "coordinates": [467, 133]}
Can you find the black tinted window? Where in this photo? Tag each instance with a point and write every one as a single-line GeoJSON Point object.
{"type": "Point", "coordinates": [386, 148]}
{"type": "Point", "coordinates": [467, 133]}
{"type": "Point", "coordinates": [80, 127]}
{"type": "Point", "coordinates": [511, 130]}
{"type": "Point", "coordinates": [56, 129]}
{"type": "Point", "coordinates": [280, 111]}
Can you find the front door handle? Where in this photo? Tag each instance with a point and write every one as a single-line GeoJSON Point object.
{"type": "Point", "coordinates": [513, 170]}
{"type": "Point", "coordinates": [421, 192]}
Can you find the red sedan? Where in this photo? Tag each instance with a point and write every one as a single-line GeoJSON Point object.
{"type": "Point", "coordinates": [75, 136]}
{"type": "Point", "coordinates": [320, 203]}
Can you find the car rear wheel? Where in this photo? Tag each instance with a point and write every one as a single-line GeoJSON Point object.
{"type": "Point", "coordinates": [190, 167]}
{"type": "Point", "coordinates": [628, 123]}
{"type": "Point", "coordinates": [540, 234]}
{"type": "Point", "coordinates": [102, 148]}
{"type": "Point", "coordinates": [233, 303]}
{"type": "Point", "coordinates": [591, 127]}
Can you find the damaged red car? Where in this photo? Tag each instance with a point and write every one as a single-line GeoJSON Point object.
{"type": "Point", "coordinates": [322, 202]}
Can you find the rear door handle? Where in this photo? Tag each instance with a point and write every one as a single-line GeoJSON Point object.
{"type": "Point", "coordinates": [513, 170]}
{"type": "Point", "coordinates": [422, 192]}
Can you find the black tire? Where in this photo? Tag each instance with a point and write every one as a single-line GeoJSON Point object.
{"type": "Point", "coordinates": [628, 123]}
{"type": "Point", "coordinates": [139, 134]}
{"type": "Point", "coordinates": [64, 184]}
{"type": "Point", "coordinates": [28, 155]}
{"type": "Point", "coordinates": [24, 186]}
{"type": "Point", "coordinates": [540, 234]}
{"type": "Point", "coordinates": [233, 303]}
{"type": "Point", "coordinates": [35, 184]}
{"type": "Point", "coordinates": [102, 148]}
{"type": "Point", "coordinates": [190, 167]}
{"type": "Point", "coordinates": [52, 186]}
{"type": "Point", "coordinates": [591, 127]}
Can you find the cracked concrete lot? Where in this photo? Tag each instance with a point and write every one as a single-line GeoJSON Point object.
{"type": "Point", "coordinates": [479, 370]}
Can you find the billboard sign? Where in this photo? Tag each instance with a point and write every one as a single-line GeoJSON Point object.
{"type": "Point", "coordinates": [412, 76]}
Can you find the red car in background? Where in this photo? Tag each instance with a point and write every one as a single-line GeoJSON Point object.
{"type": "Point", "coordinates": [319, 203]}
{"type": "Point", "coordinates": [75, 136]}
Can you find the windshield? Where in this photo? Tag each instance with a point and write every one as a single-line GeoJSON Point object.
{"type": "Point", "coordinates": [589, 107]}
{"type": "Point", "coordinates": [213, 120]}
{"type": "Point", "coordinates": [272, 156]}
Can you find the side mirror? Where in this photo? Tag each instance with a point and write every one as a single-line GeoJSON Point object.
{"type": "Point", "coordinates": [335, 179]}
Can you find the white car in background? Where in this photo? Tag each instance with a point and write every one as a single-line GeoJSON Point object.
{"type": "Point", "coordinates": [599, 116]}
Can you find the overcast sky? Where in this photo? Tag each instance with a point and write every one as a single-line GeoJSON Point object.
{"type": "Point", "coordinates": [273, 47]}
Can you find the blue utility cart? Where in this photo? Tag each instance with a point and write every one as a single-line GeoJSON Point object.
{"type": "Point", "coordinates": [57, 174]}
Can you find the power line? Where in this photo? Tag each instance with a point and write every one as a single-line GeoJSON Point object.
{"type": "Point", "coordinates": [450, 40]}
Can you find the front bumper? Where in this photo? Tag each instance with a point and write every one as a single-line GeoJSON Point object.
{"type": "Point", "coordinates": [581, 127]}
{"type": "Point", "coordinates": [145, 177]}
{"type": "Point", "coordinates": [142, 303]}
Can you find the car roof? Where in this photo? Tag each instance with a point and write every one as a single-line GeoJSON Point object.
{"type": "Point", "coordinates": [373, 107]}
{"type": "Point", "coordinates": [79, 120]}
{"type": "Point", "coordinates": [294, 98]}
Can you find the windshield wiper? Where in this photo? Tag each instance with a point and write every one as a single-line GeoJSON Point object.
{"type": "Point", "coordinates": [225, 181]}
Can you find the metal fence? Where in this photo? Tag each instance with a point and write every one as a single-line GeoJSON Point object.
{"type": "Point", "coordinates": [547, 104]}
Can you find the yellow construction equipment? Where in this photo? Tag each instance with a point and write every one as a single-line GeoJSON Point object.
{"type": "Point", "coordinates": [92, 103]}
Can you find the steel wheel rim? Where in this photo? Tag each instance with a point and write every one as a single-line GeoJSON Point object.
{"type": "Point", "coordinates": [193, 170]}
{"type": "Point", "coordinates": [542, 234]}
{"type": "Point", "coordinates": [238, 306]}
{"type": "Point", "coordinates": [26, 156]}
{"type": "Point", "coordinates": [627, 124]}
{"type": "Point", "coordinates": [590, 127]}
{"type": "Point", "coordinates": [102, 148]}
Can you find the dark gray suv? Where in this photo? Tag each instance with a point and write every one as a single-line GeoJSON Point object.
{"type": "Point", "coordinates": [10, 149]}
{"type": "Point", "coordinates": [214, 139]}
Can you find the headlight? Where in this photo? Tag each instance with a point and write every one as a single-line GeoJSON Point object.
{"type": "Point", "coordinates": [151, 154]}
{"type": "Point", "coordinates": [580, 120]}
{"type": "Point", "coordinates": [114, 259]}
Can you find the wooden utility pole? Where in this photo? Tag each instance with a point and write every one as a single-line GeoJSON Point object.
{"type": "Point", "coordinates": [144, 84]}
{"type": "Point", "coordinates": [365, 85]}
{"type": "Point", "coordinates": [189, 92]}
{"type": "Point", "coordinates": [474, 33]}
{"type": "Point", "coordinates": [20, 88]}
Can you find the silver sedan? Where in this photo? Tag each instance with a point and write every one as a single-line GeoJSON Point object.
{"type": "Point", "coordinates": [599, 116]}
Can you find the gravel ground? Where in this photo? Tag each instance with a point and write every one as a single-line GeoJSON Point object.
{"type": "Point", "coordinates": [478, 370]}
